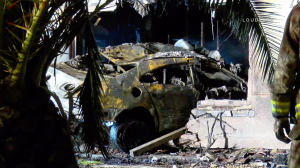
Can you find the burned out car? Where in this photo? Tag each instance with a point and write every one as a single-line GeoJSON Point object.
{"type": "Point", "coordinates": [150, 88]}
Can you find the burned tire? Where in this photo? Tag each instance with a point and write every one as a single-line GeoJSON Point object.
{"type": "Point", "coordinates": [114, 135]}
{"type": "Point", "coordinates": [130, 134]}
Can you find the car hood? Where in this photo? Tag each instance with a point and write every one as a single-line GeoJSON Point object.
{"type": "Point", "coordinates": [132, 53]}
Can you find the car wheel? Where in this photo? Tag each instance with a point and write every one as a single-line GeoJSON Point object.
{"type": "Point", "coordinates": [114, 135]}
{"type": "Point", "coordinates": [130, 134]}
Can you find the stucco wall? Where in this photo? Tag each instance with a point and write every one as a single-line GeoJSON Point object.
{"type": "Point", "coordinates": [251, 131]}
{"type": "Point", "coordinates": [250, 122]}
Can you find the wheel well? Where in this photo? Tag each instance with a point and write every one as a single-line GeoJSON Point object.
{"type": "Point", "coordinates": [139, 113]}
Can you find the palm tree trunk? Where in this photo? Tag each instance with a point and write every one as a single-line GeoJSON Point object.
{"type": "Point", "coordinates": [19, 72]}
{"type": "Point", "coordinates": [1, 32]}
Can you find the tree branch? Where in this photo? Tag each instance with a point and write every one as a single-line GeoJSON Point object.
{"type": "Point", "coordinates": [226, 38]}
{"type": "Point", "coordinates": [211, 140]}
{"type": "Point", "coordinates": [222, 121]}
{"type": "Point", "coordinates": [223, 130]}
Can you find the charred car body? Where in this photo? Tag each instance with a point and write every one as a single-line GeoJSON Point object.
{"type": "Point", "coordinates": [150, 88]}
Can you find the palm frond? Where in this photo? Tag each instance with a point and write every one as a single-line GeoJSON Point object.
{"type": "Point", "coordinates": [91, 95]}
{"type": "Point", "coordinates": [263, 33]}
{"type": "Point", "coordinates": [7, 64]}
{"type": "Point", "coordinates": [264, 37]}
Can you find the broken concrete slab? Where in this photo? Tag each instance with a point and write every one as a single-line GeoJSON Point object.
{"type": "Point", "coordinates": [251, 113]}
{"type": "Point", "coordinates": [193, 126]}
{"type": "Point", "coordinates": [195, 145]}
{"type": "Point", "coordinates": [191, 122]}
{"type": "Point", "coordinates": [245, 107]}
{"type": "Point", "coordinates": [240, 113]}
{"type": "Point", "coordinates": [198, 113]}
{"type": "Point", "coordinates": [214, 112]}
{"type": "Point", "coordinates": [189, 136]}
{"type": "Point", "coordinates": [237, 103]}
{"type": "Point", "coordinates": [226, 113]}
{"type": "Point", "coordinates": [206, 103]}
{"type": "Point", "coordinates": [222, 103]}
{"type": "Point", "coordinates": [205, 108]}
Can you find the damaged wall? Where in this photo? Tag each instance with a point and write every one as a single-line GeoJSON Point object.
{"type": "Point", "coordinates": [248, 124]}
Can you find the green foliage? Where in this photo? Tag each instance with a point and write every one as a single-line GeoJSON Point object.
{"type": "Point", "coordinates": [248, 149]}
{"type": "Point", "coordinates": [88, 162]}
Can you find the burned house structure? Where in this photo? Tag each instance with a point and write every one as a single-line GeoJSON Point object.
{"type": "Point", "coordinates": [149, 73]}
{"type": "Point", "coordinates": [244, 102]}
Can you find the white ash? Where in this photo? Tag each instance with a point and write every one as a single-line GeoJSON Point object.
{"type": "Point", "coordinates": [221, 63]}
{"type": "Point", "coordinates": [223, 88]}
{"type": "Point", "coordinates": [78, 62]}
{"type": "Point", "coordinates": [214, 54]}
{"type": "Point", "coordinates": [141, 6]}
{"type": "Point", "coordinates": [233, 68]}
{"type": "Point", "coordinates": [238, 68]}
{"type": "Point", "coordinates": [128, 44]}
{"type": "Point", "coordinates": [176, 54]}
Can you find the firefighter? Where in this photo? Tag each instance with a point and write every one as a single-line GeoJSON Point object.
{"type": "Point", "coordinates": [285, 92]}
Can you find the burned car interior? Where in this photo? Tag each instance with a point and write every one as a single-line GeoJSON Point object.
{"type": "Point", "coordinates": [174, 74]}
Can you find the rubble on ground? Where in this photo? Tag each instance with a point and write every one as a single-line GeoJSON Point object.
{"type": "Point", "coordinates": [180, 156]}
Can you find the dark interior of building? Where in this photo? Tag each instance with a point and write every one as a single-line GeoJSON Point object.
{"type": "Point", "coordinates": [167, 25]}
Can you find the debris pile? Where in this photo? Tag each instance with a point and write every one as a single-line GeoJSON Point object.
{"type": "Point", "coordinates": [223, 92]}
{"type": "Point", "coordinates": [78, 62]}
{"type": "Point", "coordinates": [165, 156]}
{"type": "Point", "coordinates": [251, 157]}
